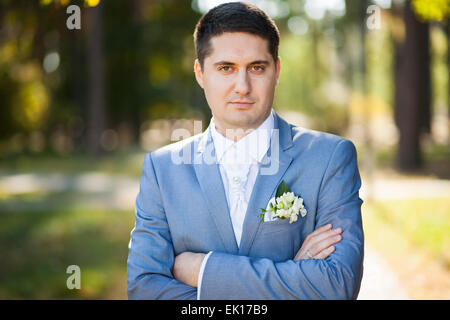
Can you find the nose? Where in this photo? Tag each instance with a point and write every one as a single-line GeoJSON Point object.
{"type": "Point", "coordinates": [242, 84]}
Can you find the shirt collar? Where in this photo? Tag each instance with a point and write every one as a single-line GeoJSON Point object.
{"type": "Point", "coordinates": [251, 147]}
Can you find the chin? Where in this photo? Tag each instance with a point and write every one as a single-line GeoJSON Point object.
{"type": "Point", "coordinates": [243, 121]}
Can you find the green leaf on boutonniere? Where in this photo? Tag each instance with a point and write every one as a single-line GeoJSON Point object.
{"type": "Point", "coordinates": [282, 188]}
{"type": "Point", "coordinates": [261, 215]}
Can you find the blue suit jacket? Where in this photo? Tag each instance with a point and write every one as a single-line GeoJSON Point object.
{"type": "Point", "coordinates": [182, 207]}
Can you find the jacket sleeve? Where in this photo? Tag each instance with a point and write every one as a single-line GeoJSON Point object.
{"type": "Point", "coordinates": [151, 253]}
{"type": "Point", "coordinates": [339, 276]}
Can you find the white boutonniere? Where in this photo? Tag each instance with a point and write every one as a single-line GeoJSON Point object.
{"type": "Point", "coordinates": [286, 205]}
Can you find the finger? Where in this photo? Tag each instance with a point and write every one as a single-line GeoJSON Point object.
{"type": "Point", "coordinates": [324, 244]}
{"type": "Point", "coordinates": [325, 253]}
{"type": "Point", "coordinates": [326, 234]}
{"type": "Point", "coordinates": [313, 238]}
{"type": "Point", "coordinates": [322, 233]}
{"type": "Point", "coordinates": [320, 230]}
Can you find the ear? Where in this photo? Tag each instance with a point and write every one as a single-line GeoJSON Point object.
{"type": "Point", "coordinates": [198, 73]}
{"type": "Point", "coordinates": [278, 69]}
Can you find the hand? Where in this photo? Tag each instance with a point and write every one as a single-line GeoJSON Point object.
{"type": "Point", "coordinates": [319, 243]}
{"type": "Point", "coordinates": [187, 266]}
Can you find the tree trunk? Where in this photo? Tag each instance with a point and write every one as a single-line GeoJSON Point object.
{"type": "Point", "coordinates": [412, 85]}
{"type": "Point", "coordinates": [96, 89]}
{"type": "Point", "coordinates": [448, 68]}
{"type": "Point", "coordinates": [369, 158]}
{"type": "Point", "coordinates": [78, 86]}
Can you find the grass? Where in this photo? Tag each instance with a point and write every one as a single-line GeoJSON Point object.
{"type": "Point", "coordinates": [37, 247]}
{"type": "Point", "coordinates": [424, 222]}
{"type": "Point", "coordinates": [414, 237]}
{"type": "Point", "coordinates": [39, 240]}
{"type": "Point", "coordinates": [127, 162]}
{"type": "Point", "coordinates": [22, 196]}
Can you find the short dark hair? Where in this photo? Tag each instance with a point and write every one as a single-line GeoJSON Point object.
{"type": "Point", "coordinates": [235, 17]}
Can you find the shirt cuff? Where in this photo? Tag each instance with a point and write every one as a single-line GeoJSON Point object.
{"type": "Point", "coordinates": [200, 274]}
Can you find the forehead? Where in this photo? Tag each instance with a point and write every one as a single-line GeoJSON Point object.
{"type": "Point", "coordinates": [238, 47]}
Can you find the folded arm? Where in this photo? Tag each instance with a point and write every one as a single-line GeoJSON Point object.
{"type": "Point", "coordinates": [229, 276]}
{"type": "Point", "coordinates": [319, 244]}
{"type": "Point", "coordinates": [151, 253]}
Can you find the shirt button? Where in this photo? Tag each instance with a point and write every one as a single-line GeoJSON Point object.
{"type": "Point", "coordinates": [236, 180]}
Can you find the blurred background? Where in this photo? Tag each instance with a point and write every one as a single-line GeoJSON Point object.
{"type": "Point", "coordinates": [86, 91]}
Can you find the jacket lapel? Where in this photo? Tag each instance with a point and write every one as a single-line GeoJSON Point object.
{"type": "Point", "coordinates": [271, 172]}
{"type": "Point", "coordinates": [208, 175]}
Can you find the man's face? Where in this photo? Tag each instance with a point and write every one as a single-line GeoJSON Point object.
{"type": "Point", "coordinates": [239, 79]}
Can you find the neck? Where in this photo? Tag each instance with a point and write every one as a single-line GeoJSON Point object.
{"type": "Point", "coordinates": [234, 134]}
{"type": "Point", "coordinates": [237, 133]}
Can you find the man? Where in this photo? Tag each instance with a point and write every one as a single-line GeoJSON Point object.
{"type": "Point", "coordinates": [199, 233]}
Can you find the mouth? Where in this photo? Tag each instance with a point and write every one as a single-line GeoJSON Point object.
{"type": "Point", "coordinates": [241, 104]}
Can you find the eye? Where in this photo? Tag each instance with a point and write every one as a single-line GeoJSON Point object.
{"type": "Point", "coordinates": [258, 68]}
{"type": "Point", "coordinates": [225, 68]}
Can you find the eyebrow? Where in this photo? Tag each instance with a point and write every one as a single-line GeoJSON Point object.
{"type": "Point", "coordinates": [227, 63]}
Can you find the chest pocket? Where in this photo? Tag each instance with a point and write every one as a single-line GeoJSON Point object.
{"type": "Point", "coordinates": [277, 240]}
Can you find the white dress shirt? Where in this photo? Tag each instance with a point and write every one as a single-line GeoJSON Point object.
{"type": "Point", "coordinates": [239, 164]}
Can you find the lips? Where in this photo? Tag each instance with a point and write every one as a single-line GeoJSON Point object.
{"type": "Point", "coordinates": [242, 104]}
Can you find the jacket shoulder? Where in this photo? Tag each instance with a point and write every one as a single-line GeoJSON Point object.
{"type": "Point", "coordinates": [319, 147]}
{"type": "Point", "coordinates": [187, 145]}
{"type": "Point", "coordinates": [302, 135]}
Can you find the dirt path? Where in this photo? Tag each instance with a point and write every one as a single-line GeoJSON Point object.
{"type": "Point", "coordinates": [379, 281]}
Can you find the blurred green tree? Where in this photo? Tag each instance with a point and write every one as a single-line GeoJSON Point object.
{"type": "Point", "coordinates": [75, 84]}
